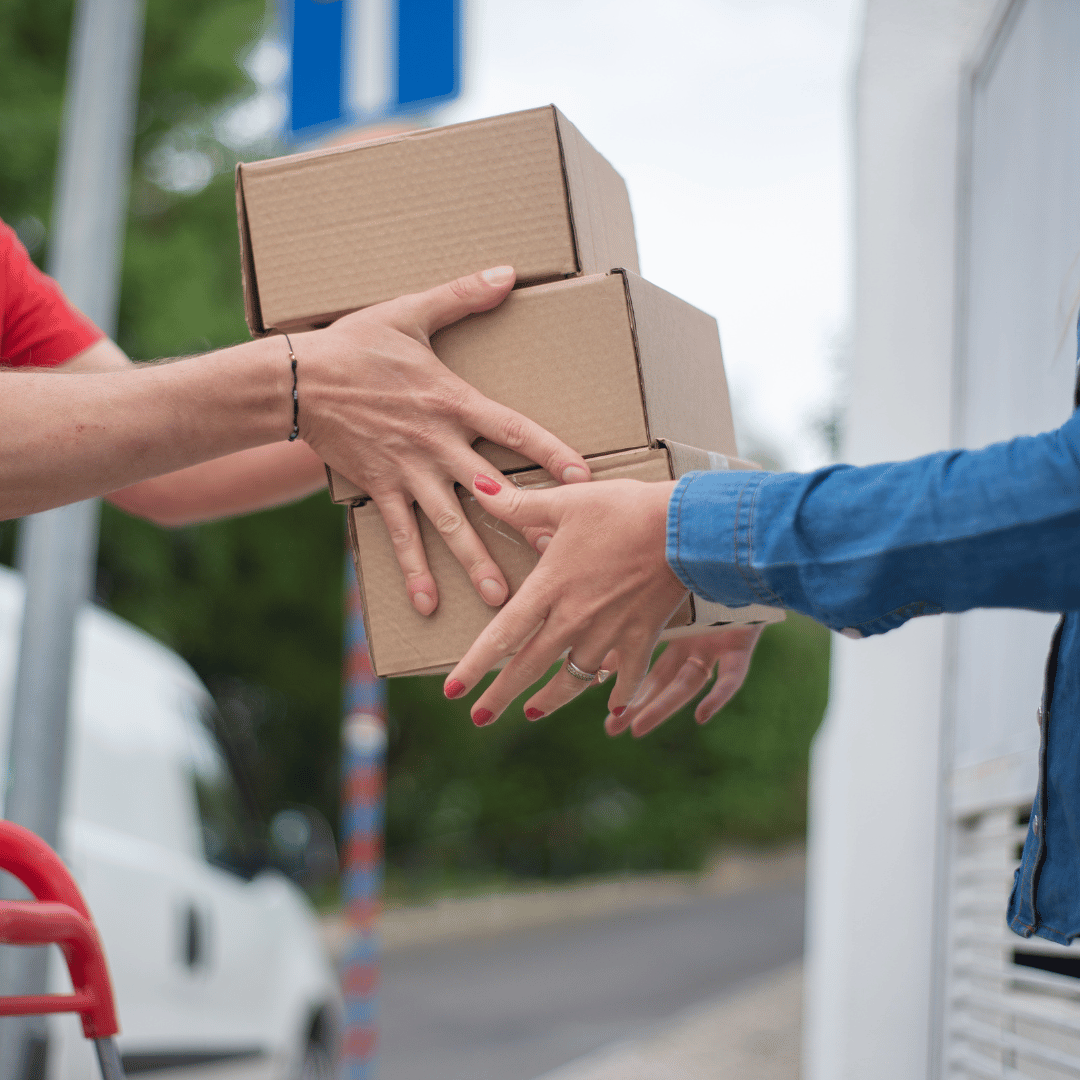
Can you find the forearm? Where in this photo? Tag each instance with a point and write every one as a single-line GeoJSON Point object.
{"type": "Point", "coordinates": [868, 548]}
{"type": "Point", "coordinates": [70, 437]}
{"type": "Point", "coordinates": [240, 483]}
{"type": "Point", "coordinates": [375, 403]}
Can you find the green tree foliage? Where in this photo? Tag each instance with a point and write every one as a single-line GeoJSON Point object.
{"type": "Point", "coordinates": [255, 604]}
{"type": "Point", "coordinates": [560, 797]}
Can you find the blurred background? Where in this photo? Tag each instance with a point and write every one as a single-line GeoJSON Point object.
{"type": "Point", "coordinates": [728, 121]}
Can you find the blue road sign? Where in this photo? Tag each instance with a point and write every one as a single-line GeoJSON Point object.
{"type": "Point", "coordinates": [357, 62]}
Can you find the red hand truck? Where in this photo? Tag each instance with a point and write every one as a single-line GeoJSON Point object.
{"type": "Point", "coordinates": [59, 916]}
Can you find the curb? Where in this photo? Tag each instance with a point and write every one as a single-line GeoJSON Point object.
{"type": "Point", "coordinates": [468, 918]}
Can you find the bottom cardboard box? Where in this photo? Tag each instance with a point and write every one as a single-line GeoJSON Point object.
{"type": "Point", "coordinates": [403, 642]}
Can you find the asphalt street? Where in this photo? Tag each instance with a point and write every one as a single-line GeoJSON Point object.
{"type": "Point", "coordinates": [515, 1006]}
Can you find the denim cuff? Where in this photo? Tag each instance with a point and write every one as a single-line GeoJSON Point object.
{"type": "Point", "coordinates": [709, 537]}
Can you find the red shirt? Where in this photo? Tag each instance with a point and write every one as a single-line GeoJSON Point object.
{"type": "Point", "coordinates": [37, 324]}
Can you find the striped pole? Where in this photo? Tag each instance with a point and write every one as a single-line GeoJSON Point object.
{"type": "Point", "coordinates": [362, 819]}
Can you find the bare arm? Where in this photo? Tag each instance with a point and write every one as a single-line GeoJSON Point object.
{"type": "Point", "coordinates": [240, 483]}
{"type": "Point", "coordinates": [72, 436]}
{"type": "Point", "coordinates": [375, 403]}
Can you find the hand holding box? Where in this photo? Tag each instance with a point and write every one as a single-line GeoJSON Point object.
{"type": "Point", "coordinates": [602, 594]}
{"type": "Point", "coordinates": [377, 404]}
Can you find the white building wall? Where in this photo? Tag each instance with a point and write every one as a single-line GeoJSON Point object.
{"type": "Point", "coordinates": [876, 771]}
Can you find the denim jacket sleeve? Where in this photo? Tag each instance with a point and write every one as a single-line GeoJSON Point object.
{"type": "Point", "coordinates": [868, 548]}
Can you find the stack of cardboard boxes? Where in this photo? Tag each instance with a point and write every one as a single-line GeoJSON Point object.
{"type": "Point", "coordinates": [627, 374]}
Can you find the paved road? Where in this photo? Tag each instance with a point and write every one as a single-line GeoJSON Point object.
{"type": "Point", "coordinates": [517, 1006]}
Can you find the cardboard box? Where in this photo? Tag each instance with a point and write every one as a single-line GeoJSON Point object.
{"type": "Point", "coordinates": [607, 362]}
{"type": "Point", "coordinates": [403, 642]}
{"type": "Point", "coordinates": [329, 231]}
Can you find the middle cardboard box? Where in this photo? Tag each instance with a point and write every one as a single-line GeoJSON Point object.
{"type": "Point", "coordinates": [607, 363]}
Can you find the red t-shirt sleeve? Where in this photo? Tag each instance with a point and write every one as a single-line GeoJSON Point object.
{"type": "Point", "coordinates": [37, 324]}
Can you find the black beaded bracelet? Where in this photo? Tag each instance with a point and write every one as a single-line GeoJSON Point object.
{"type": "Point", "coordinates": [295, 396]}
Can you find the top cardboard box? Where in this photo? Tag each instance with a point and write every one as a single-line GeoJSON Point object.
{"type": "Point", "coordinates": [330, 231]}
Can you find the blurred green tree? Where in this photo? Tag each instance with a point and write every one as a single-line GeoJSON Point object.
{"type": "Point", "coordinates": [255, 605]}
{"type": "Point", "coordinates": [559, 797]}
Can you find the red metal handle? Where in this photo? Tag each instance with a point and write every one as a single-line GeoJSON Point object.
{"type": "Point", "coordinates": [61, 917]}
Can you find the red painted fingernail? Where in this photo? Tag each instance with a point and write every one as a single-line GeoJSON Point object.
{"type": "Point", "coordinates": [534, 714]}
{"type": "Point", "coordinates": [486, 484]}
{"type": "Point", "coordinates": [482, 717]}
{"type": "Point", "coordinates": [618, 710]}
{"type": "Point", "coordinates": [454, 689]}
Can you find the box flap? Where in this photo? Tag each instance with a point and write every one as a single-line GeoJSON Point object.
{"type": "Point", "coordinates": [679, 347]}
{"type": "Point", "coordinates": [334, 230]}
{"type": "Point", "coordinates": [692, 459]}
{"type": "Point", "coordinates": [600, 205]}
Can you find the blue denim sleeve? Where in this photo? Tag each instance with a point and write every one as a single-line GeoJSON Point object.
{"type": "Point", "coordinates": [868, 548]}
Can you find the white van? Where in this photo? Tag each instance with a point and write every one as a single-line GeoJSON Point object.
{"type": "Point", "coordinates": [211, 966]}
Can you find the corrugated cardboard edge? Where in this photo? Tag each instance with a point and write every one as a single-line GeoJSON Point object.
{"type": "Point", "coordinates": [685, 459]}
{"type": "Point", "coordinates": [252, 313]}
{"type": "Point", "coordinates": [342, 491]}
{"type": "Point", "coordinates": [603, 237]}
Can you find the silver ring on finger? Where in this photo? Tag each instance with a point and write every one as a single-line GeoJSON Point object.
{"type": "Point", "coordinates": [577, 673]}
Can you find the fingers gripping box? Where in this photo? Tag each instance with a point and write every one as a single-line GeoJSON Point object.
{"type": "Point", "coordinates": [403, 642]}
{"type": "Point", "coordinates": [606, 362]}
{"type": "Point", "coordinates": [327, 232]}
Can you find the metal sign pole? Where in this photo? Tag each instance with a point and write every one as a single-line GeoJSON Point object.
{"type": "Point", "coordinates": [58, 549]}
{"type": "Point", "coordinates": [362, 63]}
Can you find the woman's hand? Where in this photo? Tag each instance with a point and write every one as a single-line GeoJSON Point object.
{"type": "Point", "coordinates": [378, 405]}
{"type": "Point", "coordinates": [682, 672]}
{"type": "Point", "coordinates": [602, 589]}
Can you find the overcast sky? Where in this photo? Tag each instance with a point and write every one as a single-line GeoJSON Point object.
{"type": "Point", "coordinates": [730, 121]}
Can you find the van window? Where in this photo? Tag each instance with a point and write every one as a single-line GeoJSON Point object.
{"type": "Point", "coordinates": [232, 836]}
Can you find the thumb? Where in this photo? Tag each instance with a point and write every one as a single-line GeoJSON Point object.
{"type": "Point", "coordinates": [521, 509]}
{"type": "Point", "coordinates": [445, 304]}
